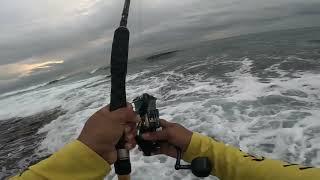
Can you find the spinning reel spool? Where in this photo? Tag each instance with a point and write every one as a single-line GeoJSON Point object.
{"type": "Point", "coordinates": [145, 106]}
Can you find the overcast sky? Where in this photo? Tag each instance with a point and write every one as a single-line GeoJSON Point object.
{"type": "Point", "coordinates": [60, 36]}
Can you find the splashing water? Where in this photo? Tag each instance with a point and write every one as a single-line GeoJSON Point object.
{"type": "Point", "coordinates": [257, 92]}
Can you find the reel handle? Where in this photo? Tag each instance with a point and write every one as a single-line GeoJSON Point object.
{"type": "Point", "coordinates": [200, 166]}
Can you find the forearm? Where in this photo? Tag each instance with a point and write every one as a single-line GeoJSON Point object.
{"type": "Point", "coordinates": [229, 163]}
{"type": "Point", "coordinates": [74, 161]}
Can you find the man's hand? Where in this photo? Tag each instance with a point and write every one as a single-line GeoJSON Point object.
{"type": "Point", "coordinates": [104, 129]}
{"type": "Point", "coordinates": [171, 135]}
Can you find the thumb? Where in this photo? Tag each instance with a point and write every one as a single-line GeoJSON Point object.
{"type": "Point", "coordinates": [156, 136]}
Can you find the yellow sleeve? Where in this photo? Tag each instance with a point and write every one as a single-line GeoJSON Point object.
{"type": "Point", "coordinates": [230, 163]}
{"type": "Point", "coordinates": [74, 161]}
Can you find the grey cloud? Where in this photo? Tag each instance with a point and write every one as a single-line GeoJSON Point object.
{"type": "Point", "coordinates": [85, 41]}
{"type": "Point", "coordinates": [57, 40]}
{"type": "Point", "coordinates": [197, 15]}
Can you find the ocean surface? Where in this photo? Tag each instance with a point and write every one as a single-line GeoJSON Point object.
{"type": "Point", "coordinates": [259, 92]}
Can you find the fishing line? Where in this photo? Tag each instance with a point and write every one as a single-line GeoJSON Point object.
{"type": "Point", "coordinates": [140, 25]}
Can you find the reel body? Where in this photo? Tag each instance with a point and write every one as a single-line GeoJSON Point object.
{"type": "Point", "coordinates": [145, 106]}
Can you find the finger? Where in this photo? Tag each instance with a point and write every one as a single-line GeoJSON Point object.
{"type": "Point", "coordinates": [130, 134]}
{"type": "Point", "coordinates": [134, 128]}
{"type": "Point", "coordinates": [164, 123]}
{"type": "Point", "coordinates": [130, 137]}
{"type": "Point", "coordinates": [129, 116]}
{"type": "Point", "coordinates": [129, 146]}
{"type": "Point", "coordinates": [132, 125]}
{"type": "Point", "coordinates": [156, 136]}
{"type": "Point", "coordinates": [168, 149]}
{"type": "Point", "coordinates": [131, 141]}
{"type": "Point", "coordinates": [125, 115]}
{"type": "Point", "coordinates": [128, 129]}
{"type": "Point", "coordinates": [132, 117]}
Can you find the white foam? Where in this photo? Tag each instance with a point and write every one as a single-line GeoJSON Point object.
{"type": "Point", "coordinates": [21, 90]}
{"type": "Point", "coordinates": [247, 87]}
{"type": "Point", "coordinates": [94, 71]}
{"type": "Point", "coordinates": [37, 101]}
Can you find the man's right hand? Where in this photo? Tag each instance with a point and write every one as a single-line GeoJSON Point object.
{"type": "Point", "coordinates": [171, 135]}
{"type": "Point", "coordinates": [104, 129]}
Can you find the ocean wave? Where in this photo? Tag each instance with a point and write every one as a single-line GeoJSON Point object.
{"type": "Point", "coordinates": [257, 99]}
{"type": "Point", "coordinates": [38, 100]}
{"type": "Point", "coordinates": [17, 92]}
{"type": "Point", "coordinates": [231, 111]}
{"type": "Point", "coordinates": [32, 88]}
{"type": "Point", "coordinates": [103, 69]}
{"type": "Point", "coordinates": [57, 80]}
{"type": "Point", "coordinates": [161, 56]}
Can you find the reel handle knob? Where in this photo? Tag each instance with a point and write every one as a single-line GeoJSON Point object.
{"type": "Point", "coordinates": [201, 167]}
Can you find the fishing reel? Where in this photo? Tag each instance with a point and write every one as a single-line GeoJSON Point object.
{"type": "Point", "coordinates": [145, 106]}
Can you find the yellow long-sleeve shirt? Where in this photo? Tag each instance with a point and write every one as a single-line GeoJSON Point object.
{"type": "Point", "coordinates": [230, 163]}
{"type": "Point", "coordinates": [77, 161]}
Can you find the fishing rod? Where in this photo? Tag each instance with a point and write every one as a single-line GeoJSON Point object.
{"type": "Point", "coordinates": [119, 62]}
{"type": "Point", "coordinates": [145, 106]}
